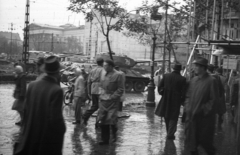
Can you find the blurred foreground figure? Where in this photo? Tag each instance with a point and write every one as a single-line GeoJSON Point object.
{"type": "Point", "coordinates": [172, 88]}
{"type": "Point", "coordinates": [200, 109]}
{"type": "Point", "coordinates": [44, 127]}
{"type": "Point", "coordinates": [19, 92]}
{"type": "Point", "coordinates": [112, 87]}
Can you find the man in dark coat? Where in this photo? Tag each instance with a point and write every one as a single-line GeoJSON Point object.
{"type": "Point", "coordinates": [201, 99]}
{"type": "Point", "coordinates": [44, 127]}
{"type": "Point", "coordinates": [171, 87]}
{"type": "Point", "coordinates": [220, 106]}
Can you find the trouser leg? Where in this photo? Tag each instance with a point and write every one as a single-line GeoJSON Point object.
{"type": "Point", "coordinates": [93, 108]}
{"type": "Point", "coordinates": [172, 128]}
{"type": "Point", "coordinates": [78, 109]}
{"type": "Point", "coordinates": [205, 133]}
{"type": "Point", "coordinates": [166, 123]}
{"type": "Point", "coordinates": [105, 133]}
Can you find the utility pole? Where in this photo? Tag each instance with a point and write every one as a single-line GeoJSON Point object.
{"type": "Point", "coordinates": [9, 55]}
{"type": "Point", "coordinates": [52, 44]}
{"type": "Point", "coordinates": [25, 55]}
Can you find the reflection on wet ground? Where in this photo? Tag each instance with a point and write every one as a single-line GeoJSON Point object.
{"type": "Point", "coordinates": [142, 133]}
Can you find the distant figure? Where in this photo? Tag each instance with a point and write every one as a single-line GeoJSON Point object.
{"type": "Point", "coordinates": [93, 89]}
{"type": "Point", "coordinates": [19, 92]}
{"type": "Point", "coordinates": [79, 95]}
{"type": "Point", "coordinates": [172, 88]}
{"type": "Point", "coordinates": [44, 127]}
{"type": "Point", "coordinates": [200, 102]}
{"type": "Point", "coordinates": [112, 87]}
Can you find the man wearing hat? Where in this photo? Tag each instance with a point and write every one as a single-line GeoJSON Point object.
{"type": "Point", "coordinates": [200, 101]}
{"type": "Point", "coordinates": [172, 88]}
{"type": "Point", "coordinates": [94, 89]}
{"type": "Point", "coordinates": [44, 127]}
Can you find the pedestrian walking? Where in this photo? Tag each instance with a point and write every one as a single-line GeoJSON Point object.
{"type": "Point", "coordinates": [44, 127]}
{"type": "Point", "coordinates": [112, 87]}
{"type": "Point", "coordinates": [93, 89]}
{"type": "Point", "coordinates": [79, 95]}
{"type": "Point", "coordinates": [200, 112]}
{"type": "Point", "coordinates": [220, 106]}
{"type": "Point", "coordinates": [19, 92]}
{"type": "Point", "coordinates": [172, 88]}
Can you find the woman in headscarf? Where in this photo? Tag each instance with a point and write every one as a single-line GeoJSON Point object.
{"type": "Point", "coordinates": [19, 92]}
{"type": "Point", "coordinates": [79, 95]}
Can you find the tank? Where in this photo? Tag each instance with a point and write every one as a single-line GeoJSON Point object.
{"type": "Point", "coordinates": [134, 80]}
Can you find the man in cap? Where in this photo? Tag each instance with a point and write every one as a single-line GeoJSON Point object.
{"type": "Point", "coordinates": [200, 101]}
{"type": "Point", "coordinates": [172, 88]}
{"type": "Point", "coordinates": [44, 127]}
{"type": "Point", "coordinates": [94, 89]}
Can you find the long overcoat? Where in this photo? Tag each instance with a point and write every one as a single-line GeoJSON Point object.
{"type": "Point", "coordinates": [19, 92]}
{"type": "Point", "coordinates": [172, 88]}
{"type": "Point", "coordinates": [44, 127]}
{"type": "Point", "coordinates": [112, 88]}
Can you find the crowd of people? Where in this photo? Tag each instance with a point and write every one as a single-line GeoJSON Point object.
{"type": "Point", "coordinates": [204, 98]}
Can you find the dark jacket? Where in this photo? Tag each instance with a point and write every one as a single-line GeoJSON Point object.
{"type": "Point", "coordinates": [220, 106]}
{"type": "Point", "coordinates": [172, 88]}
{"type": "Point", "coordinates": [44, 126]}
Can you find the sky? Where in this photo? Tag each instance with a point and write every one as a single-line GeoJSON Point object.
{"type": "Point", "coordinates": [52, 12]}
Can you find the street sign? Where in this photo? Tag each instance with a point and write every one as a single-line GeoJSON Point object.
{"type": "Point", "coordinates": [230, 64]}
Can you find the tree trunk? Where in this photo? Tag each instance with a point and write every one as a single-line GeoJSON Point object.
{"type": "Point", "coordinates": [109, 46]}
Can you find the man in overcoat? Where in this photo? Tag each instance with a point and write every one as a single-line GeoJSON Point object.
{"type": "Point", "coordinates": [112, 87]}
{"type": "Point", "coordinates": [44, 127]}
{"type": "Point", "coordinates": [220, 106]}
{"type": "Point", "coordinates": [172, 88]}
{"type": "Point", "coordinates": [201, 99]}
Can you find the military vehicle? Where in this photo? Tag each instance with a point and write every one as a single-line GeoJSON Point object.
{"type": "Point", "coordinates": [134, 80]}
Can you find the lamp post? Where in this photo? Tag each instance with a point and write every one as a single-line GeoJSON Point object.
{"type": "Point", "coordinates": [151, 86]}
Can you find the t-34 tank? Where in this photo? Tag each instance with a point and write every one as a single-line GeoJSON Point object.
{"type": "Point", "coordinates": [134, 80]}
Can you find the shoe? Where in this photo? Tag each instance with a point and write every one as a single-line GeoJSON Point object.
{"type": "Point", "coordinates": [171, 137]}
{"type": "Point", "coordinates": [103, 143]}
{"type": "Point", "coordinates": [18, 123]}
{"type": "Point", "coordinates": [76, 122]}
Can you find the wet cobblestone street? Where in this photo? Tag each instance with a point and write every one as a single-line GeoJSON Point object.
{"type": "Point", "coordinates": [142, 133]}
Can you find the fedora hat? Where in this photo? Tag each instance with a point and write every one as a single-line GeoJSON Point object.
{"type": "Point", "coordinates": [177, 67]}
{"type": "Point", "coordinates": [201, 61]}
{"type": "Point", "coordinates": [51, 65]}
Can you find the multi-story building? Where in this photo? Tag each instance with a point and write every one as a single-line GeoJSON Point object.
{"type": "Point", "coordinates": [59, 39]}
